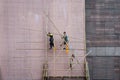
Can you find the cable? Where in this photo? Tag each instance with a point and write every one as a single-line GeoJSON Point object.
{"type": "Point", "coordinates": [53, 23]}
{"type": "Point", "coordinates": [46, 49]}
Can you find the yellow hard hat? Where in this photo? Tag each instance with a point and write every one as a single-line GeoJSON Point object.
{"type": "Point", "coordinates": [51, 34]}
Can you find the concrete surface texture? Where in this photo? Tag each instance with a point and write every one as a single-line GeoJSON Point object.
{"type": "Point", "coordinates": [104, 51]}
{"type": "Point", "coordinates": [24, 46]}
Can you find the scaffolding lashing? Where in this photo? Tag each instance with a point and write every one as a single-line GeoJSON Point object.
{"type": "Point", "coordinates": [45, 71]}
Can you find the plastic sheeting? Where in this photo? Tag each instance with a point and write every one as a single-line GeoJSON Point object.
{"type": "Point", "coordinates": [24, 44]}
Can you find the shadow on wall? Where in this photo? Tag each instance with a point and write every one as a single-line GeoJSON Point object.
{"type": "Point", "coordinates": [0, 75]}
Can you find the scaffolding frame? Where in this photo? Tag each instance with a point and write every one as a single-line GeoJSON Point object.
{"type": "Point", "coordinates": [45, 65]}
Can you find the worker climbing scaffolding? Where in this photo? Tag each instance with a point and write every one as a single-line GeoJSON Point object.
{"type": "Point", "coordinates": [51, 39]}
{"type": "Point", "coordinates": [71, 61]}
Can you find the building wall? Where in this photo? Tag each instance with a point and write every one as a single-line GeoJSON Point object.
{"type": "Point", "coordinates": [104, 68]}
{"type": "Point", "coordinates": [24, 45]}
{"type": "Point", "coordinates": [102, 17]}
{"type": "Point", "coordinates": [102, 34]}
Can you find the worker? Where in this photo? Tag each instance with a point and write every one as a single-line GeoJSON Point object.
{"type": "Point", "coordinates": [51, 39]}
{"type": "Point", "coordinates": [71, 61]}
{"type": "Point", "coordinates": [65, 40]}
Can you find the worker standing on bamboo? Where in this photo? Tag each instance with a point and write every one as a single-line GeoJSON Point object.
{"type": "Point", "coordinates": [71, 61]}
{"type": "Point", "coordinates": [65, 40]}
{"type": "Point", "coordinates": [51, 39]}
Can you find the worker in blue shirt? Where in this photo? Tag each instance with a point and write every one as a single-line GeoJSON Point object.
{"type": "Point", "coordinates": [51, 39]}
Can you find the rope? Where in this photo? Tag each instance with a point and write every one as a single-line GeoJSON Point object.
{"type": "Point", "coordinates": [53, 24]}
{"type": "Point", "coordinates": [85, 56]}
{"type": "Point", "coordinates": [55, 27]}
{"type": "Point", "coordinates": [46, 49]}
{"type": "Point", "coordinates": [69, 36]}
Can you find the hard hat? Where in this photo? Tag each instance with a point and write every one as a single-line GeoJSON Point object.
{"type": "Point", "coordinates": [51, 34]}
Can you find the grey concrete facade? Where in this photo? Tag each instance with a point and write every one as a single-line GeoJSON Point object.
{"type": "Point", "coordinates": [104, 67]}
{"type": "Point", "coordinates": [104, 51]}
{"type": "Point", "coordinates": [102, 34]}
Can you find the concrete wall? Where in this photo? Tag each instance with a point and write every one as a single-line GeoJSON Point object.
{"type": "Point", "coordinates": [104, 51]}
{"type": "Point", "coordinates": [102, 34]}
{"type": "Point", "coordinates": [104, 67]}
{"type": "Point", "coordinates": [23, 40]}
